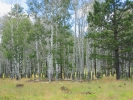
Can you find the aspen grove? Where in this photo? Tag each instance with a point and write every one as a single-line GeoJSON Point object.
{"type": "Point", "coordinates": [67, 39]}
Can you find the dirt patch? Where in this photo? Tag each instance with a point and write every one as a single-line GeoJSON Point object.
{"type": "Point", "coordinates": [20, 85]}
{"type": "Point", "coordinates": [65, 89]}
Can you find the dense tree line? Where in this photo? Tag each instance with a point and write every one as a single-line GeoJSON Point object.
{"type": "Point", "coordinates": [67, 39]}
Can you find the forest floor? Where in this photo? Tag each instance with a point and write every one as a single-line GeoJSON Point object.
{"type": "Point", "coordinates": [106, 88]}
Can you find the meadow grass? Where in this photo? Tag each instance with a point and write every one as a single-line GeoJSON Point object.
{"type": "Point", "coordinates": [103, 89]}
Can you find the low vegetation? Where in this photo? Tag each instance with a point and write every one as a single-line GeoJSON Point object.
{"type": "Point", "coordinates": [107, 88]}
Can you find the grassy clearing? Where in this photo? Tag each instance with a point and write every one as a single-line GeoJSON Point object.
{"type": "Point", "coordinates": [103, 89]}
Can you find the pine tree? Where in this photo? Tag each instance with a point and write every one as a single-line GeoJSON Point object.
{"type": "Point", "coordinates": [112, 21]}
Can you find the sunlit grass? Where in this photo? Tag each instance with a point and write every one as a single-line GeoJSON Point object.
{"type": "Point", "coordinates": [103, 89]}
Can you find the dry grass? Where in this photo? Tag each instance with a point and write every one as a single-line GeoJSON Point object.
{"type": "Point", "coordinates": [103, 89]}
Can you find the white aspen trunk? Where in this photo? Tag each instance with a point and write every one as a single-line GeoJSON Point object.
{"type": "Point", "coordinates": [26, 69]}
{"type": "Point", "coordinates": [98, 65]}
{"type": "Point", "coordinates": [98, 68]}
{"type": "Point", "coordinates": [83, 19]}
{"type": "Point", "coordinates": [57, 67]}
{"type": "Point", "coordinates": [69, 60]}
{"type": "Point", "coordinates": [17, 70]}
{"type": "Point", "coordinates": [75, 3]}
{"type": "Point", "coordinates": [15, 67]}
{"type": "Point", "coordinates": [65, 65]}
{"type": "Point", "coordinates": [73, 64]}
{"type": "Point", "coordinates": [57, 71]}
{"type": "Point", "coordinates": [17, 59]}
{"type": "Point", "coordinates": [82, 60]}
{"type": "Point", "coordinates": [37, 57]}
{"type": "Point", "coordinates": [88, 61]}
{"type": "Point", "coordinates": [12, 41]}
{"type": "Point", "coordinates": [52, 69]}
{"type": "Point", "coordinates": [92, 65]}
{"type": "Point", "coordinates": [93, 70]}
{"type": "Point", "coordinates": [49, 69]}
{"type": "Point", "coordinates": [29, 64]}
{"type": "Point", "coordinates": [24, 63]}
{"type": "Point", "coordinates": [79, 51]}
{"type": "Point", "coordinates": [74, 61]}
{"type": "Point", "coordinates": [49, 40]}
{"type": "Point", "coordinates": [50, 56]}
{"type": "Point", "coordinates": [76, 49]}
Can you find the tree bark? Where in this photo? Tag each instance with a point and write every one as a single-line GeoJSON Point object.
{"type": "Point", "coordinates": [117, 64]}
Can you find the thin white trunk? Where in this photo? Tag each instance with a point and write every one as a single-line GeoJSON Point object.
{"type": "Point", "coordinates": [57, 71]}
{"type": "Point", "coordinates": [50, 56]}
{"type": "Point", "coordinates": [73, 65]}
{"type": "Point", "coordinates": [57, 67]}
{"type": "Point", "coordinates": [92, 68]}
{"type": "Point", "coordinates": [88, 61]}
{"type": "Point", "coordinates": [37, 57]}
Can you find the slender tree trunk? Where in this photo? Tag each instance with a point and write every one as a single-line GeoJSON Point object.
{"type": "Point", "coordinates": [50, 56]}
{"type": "Point", "coordinates": [37, 57]}
{"type": "Point", "coordinates": [117, 64]}
{"type": "Point", "coordinates": [92, 69]}
{"type": "Point", "coordinates": [73, 64]}
{"type": "Point", "coordinates": [95, 70]}
{"type": "Point", "coordinates": [61, 71]}
{"type": "Point", "coordinates": [129, 70]}
{"type": "Point", "coordinates": [88, 61]}
{"type": "Point", "coordinates": [11, 69]}
{"type": "Point", "coordinates": [56, 64]}
{"type": "Point", "coordinates": [57, 71]}
{"type": "Point", "coordinates": [116, 51]}
{"type": "Point", "coordinates": [98, 68]}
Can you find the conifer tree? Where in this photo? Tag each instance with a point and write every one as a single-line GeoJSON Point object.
{"type": "Point", "coordinates": [112, 21]}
